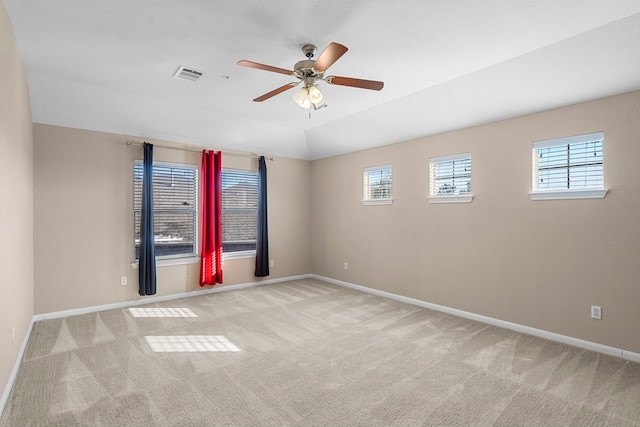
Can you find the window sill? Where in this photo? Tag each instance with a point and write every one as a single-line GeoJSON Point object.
{"type": "Point", "coordinates": [171, 261]}
{"type": "Point", "coordinates": [375, 202]}
{"type": "Point", "coordinates": [195, 260]}
{"type": "Point", "coordinates": [568, 194]}
{"type": "Point", "coordinates": [238, 255]}
{"type": "Point", "coordinates": [467, 198]}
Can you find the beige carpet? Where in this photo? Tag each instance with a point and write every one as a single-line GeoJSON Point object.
{"type": "Point", "coordinates": [309, 354]}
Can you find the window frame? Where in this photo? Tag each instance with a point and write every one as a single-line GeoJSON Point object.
{"type": "Point", "coordinates": [184, 258]}
{"type": "Point", "coordinates": [569, 193]}
{"type": "Point", "coordinates": [367, 200]}
{"type": "Point", "coordinates": [246, 253]}
{"type": "Point", "coordinates": [434, 197]}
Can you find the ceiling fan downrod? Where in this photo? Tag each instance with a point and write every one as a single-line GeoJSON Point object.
{"type": "Point", "coordinates": [309, 50]}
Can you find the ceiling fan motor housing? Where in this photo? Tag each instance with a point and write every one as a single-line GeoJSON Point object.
{"type": "Point", "coordinates": [304, 69]}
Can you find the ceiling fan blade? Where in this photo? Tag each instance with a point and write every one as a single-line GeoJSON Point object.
{"type": "Point", "coordinates": [360, 83]}
{"type": "Point", "coordinates": [275, 92]}
{"type": "Point", "coordinates": [264, 67]}
{"type": "Point", "coordinates": [331, 54]}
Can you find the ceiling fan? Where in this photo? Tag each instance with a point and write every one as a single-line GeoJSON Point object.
{"type": "Point", "coordinates": [309, 72]}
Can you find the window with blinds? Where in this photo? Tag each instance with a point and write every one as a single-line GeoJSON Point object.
{"type": "Point", "coordinates": [175, 207]}
{"type": "Point", "coordinates": [569, 165]}
{"type": "Point", "coordinates": [239, 210]}
{"type": "Point", "coordinates": [377, 185]}
{"type": "Point", "coordinates": [450, 178]}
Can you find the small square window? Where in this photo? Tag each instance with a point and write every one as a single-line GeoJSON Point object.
{"type": "Point", "coordinates": [568, 168]}
{"type": "Point", "coordinates": [450, 179]}
{"type": "Point", "coordinates": [377, 186]}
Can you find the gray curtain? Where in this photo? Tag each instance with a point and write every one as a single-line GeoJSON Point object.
{"type": "Point", "coordinates": [147, 257]}
{"type": "Point", "coordinates": [262, 243]}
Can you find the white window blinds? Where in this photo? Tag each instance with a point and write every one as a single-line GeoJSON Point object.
{"type": "Point", "coordinates": [571, 167]}
{"type": "Point", "coordinates": [450, 178]}
{"type": "Point", "coordinates": [239, 210]}
{"type": "Point", "coordinates": [569, 163]}
{"type": "Point", "coordinates": [377, 185]}
{"type": "Point", "coordinates": [175, 207]}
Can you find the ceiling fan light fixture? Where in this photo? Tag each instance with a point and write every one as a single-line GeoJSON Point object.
{"type": "Point", "coordinates": [315, 96]}
{"type": "Point", "coordinates": [306, 104]}
{"type": "Point", "coordinates": [308, 96]}
{"type": "Point", "coordinates": [301, 98]}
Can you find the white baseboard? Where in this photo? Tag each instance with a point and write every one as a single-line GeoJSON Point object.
{"type": "Point", "coordinates": [629, 355]}
{"type": "Point", "coordinates": [576, 342]}
{"type": "Point", "coordinates": [16, 367]}
{"type": "Point", "coordinates": [152, 299]}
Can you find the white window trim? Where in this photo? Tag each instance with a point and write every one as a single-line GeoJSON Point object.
{"type": "Point", "coordinates": [165, 262]}
{"type": "Point", "coordinates": [467, 198]}
{"type": "Point", "coordinates": [238, 255]}
{"type": "Point", "coordinates": [374, 202]}
{"type": "Point", "coordinates": [568, 140]}
{"type": "Point", "coordinates": [581, 193]}
{"type": "Point", "coordinates": [568, 194]}
{"type": "Point", "coordinates": [379, 202]}
{"type": "Point", "coordinates": [457, 198]}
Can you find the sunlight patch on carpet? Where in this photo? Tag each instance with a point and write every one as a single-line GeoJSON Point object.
{"type": "Point", "coordinates": [161, 312]}
{"type": "Point", "coordinates": [190, 343]}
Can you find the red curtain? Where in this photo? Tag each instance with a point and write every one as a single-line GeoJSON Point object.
{"type": "Point", "coordinates": [211, 252]}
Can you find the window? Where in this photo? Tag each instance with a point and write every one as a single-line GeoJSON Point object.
{"type": "Point", "coordinates": [568, 168]}
{"type": "Point", "coordinates": [450, 179]}
{"type": "Point", "coordinates": [239, 211]}
{"type": "Point", "coordinates": [377, 186]}
{"type": "Point", "coordinates": [175, 207]}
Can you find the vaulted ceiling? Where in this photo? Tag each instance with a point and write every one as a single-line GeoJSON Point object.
{"type": "Point", "coordinates": [108, 65]}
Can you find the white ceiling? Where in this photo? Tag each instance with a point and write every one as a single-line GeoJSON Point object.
{"type": "Point", "coordinates": [107, 65]}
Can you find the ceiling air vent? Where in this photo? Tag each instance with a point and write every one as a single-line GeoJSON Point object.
{"type": "Point", "coordinates": [189, 74]}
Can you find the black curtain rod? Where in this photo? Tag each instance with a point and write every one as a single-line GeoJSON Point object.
{"type": "Point", "coordinates": [249, 156]}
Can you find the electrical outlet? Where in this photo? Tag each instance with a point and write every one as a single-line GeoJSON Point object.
{"type": "Point", "coordinates": [596, 312]}
{"type": "Point", "coordinates": [346, 266]}
{"type": "Point", "coordinates": [123, 280]}
{"type": "Point", "coordinates": [271, 263]}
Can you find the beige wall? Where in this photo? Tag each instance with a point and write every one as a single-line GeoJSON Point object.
{"type": "Point", "coordinates": [540, 264]}
{"type": "Point", "coordinates": [16, 202]}
{"type": "Point", "coordinates": [84, 220]}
